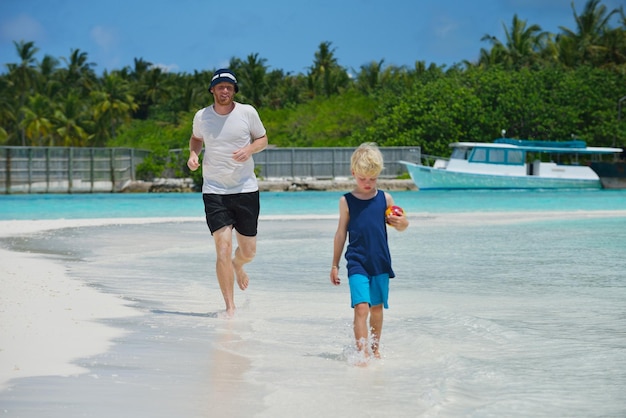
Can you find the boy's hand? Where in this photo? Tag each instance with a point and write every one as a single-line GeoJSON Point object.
{"type": "Point", "coordinates": [334, 276]}
{"type": "Point", "coordinates": [400, 222]}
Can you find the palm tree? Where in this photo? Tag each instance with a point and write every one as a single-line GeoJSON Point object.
{"type": "Point", "coordinates": [522, 47]}
{"type": "Point", "coordinates": [615, 42]}
{"type": "Point", "coordinates": [37, 123]}
{"type": "Point", "coordinates": [585, 45]}
{"type": "Point", "coordinates": [8, 113]}
{"type": "Point", "coordinates": [4, 135]}
{"type": "Point", "coordinates": [492, 57]}
{"type": "Point", "coordinates": [326, 70]}
{"type": "Point", "coordinates": [112, 105]}
{"type": "Point", "coordinates": [22, 77]}
{"type": "Point", "coordinates": [369, 78]}
{"type": "Point", "coordinates": [72, 122]}
{"type": "Point", "coordinates": [150, 90]}
{"type": "Point", "coordinates": [79, 74]}
{"type": "Point", "coordinates": [287, 89]}
{"type": "Point", "coordinates": [149, 86]}
{"type": "Point", "coordinates": [252, 73]}
{"type": "Point", "coordinates": [141, 68]}
{"type": "Point", "coordinates": [47, 81]}
{"type": "Point", "coordinates": [191, 92]}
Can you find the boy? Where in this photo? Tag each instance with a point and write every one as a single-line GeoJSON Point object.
{"type": "Point", "coordinates": [362, 217]}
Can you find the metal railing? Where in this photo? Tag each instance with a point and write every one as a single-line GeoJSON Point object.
{"type": "Point", "coordinates": [93, 170]}
{"type": "Point", "coordinates": [67, 169]}
{"type": "Point", "coordinates": [326, 163]}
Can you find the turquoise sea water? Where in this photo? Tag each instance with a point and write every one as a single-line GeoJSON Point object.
{"type": "Point", "coordinates": [505, 304]}
{"type": "Point", "coordinates": [63, 206]}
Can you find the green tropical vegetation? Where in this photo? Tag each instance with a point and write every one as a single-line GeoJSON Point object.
{"type": "Point", "coordinates": [532, 83]}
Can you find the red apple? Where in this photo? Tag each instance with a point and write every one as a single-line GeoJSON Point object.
{"type": "Point", "coordinates": [394, 210]}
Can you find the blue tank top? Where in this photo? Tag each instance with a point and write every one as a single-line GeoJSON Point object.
{"type": "Point", "coordinates": [368, 249]}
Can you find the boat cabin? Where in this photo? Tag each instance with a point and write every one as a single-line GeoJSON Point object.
{"type": "Point", "coordinates": [524, 156]}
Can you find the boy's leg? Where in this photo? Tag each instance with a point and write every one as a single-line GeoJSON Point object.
{"type": "Point", "coordinates": [379, 293]}
{"type": "Point", "coordinates": [360, 298]}
{"type": "Point", "coordinates": [361, 311]}
{"type": "Point", "coordinates": [376, 325]}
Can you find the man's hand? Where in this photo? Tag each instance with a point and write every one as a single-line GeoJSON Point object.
{"type": "Point", "coordinates": [242, 154]}
{"type": "Point", "coordinates": [192, 162]}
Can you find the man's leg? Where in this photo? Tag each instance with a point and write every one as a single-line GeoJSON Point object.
{"type": "Point", "coordinates": [245, 252]}
{"type": "Point", "coordinates": [223, 238]}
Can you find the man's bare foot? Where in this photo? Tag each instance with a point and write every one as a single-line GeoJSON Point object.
{"type": "Point", "coordinates": [242, 277]}
{"type": "Point", "coordinates": [377, 354]}
{"type": "Point", "coordinates": [226, 314]}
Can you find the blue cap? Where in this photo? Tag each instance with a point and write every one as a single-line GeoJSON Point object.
{"type": "Point", "coordinates": [224, 75]}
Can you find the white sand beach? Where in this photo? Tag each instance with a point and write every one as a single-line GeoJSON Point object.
{"type": "Point", "coordinates": [48, 319]}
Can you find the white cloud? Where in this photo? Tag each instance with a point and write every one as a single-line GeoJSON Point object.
{"type": "Point", "coordinates": [105, 38]}
{"type": "Point", "coordinates": [22, 27]}
{"type": "Point", "coordinates": [446, 27]}
{"type": "Point", "coordinates": [167, 68]}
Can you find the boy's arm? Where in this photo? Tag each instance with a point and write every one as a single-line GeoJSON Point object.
{"type": "Point", "coordinates": [340, 240]}
{"type": "Point", "coordinates": [399, 222]}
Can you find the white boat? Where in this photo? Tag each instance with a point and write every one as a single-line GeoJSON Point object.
{"type": "Point", "coordinates": [512, 164]}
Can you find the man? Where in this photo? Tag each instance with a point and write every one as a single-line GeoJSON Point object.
{"type": "Point", "coordinates": [231, 133]}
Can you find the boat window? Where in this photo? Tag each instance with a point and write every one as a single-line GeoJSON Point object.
{"type": "Point", "coordinates": [459, 153]}
{"type": "Point", "coordinates": [479, 155]}
{"type": "Point", "coordinates": [496, 156]}
{"type": "Point", "coordinates": [515, 157]}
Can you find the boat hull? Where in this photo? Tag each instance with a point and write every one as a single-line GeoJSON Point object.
{"type": "Point", "coordinates": [612, 175]}
{"type": "Point", "coordinates": [429, 178]}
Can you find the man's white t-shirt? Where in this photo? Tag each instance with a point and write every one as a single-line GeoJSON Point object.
{"type": "Point", "coordinates": [223, 135]}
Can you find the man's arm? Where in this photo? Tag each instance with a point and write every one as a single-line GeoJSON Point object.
{"type": "Point", "coordinates": [195, 148]}
{"type": "Point", "coordinates": [258, 145]}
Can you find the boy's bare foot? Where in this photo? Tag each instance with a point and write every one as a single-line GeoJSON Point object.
{"type": "Point", "coordinates": [363, 359]}
{"type": "Point", "coordinates": [242, 277]}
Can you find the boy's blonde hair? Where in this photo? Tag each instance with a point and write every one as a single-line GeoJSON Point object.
{"type": "Point", "coordinates": [367, 160]}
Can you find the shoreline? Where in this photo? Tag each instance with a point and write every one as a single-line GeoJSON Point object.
{"type": "Point", "coordinates": [336, 184]}
{"type": "Point", "coordinates": [268, 185]}
{"type": "Point", "coordinates": [49, 320]}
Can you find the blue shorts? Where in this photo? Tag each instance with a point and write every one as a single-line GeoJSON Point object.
{"type": "Point", "coordinates": [372, 290]}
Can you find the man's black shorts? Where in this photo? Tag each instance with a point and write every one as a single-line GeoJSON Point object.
{"type": "Point", "coordinates": [240, 210]}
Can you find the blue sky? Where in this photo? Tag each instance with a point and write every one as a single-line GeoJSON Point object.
{"type": "Point", "coordinates": [188, 35]}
